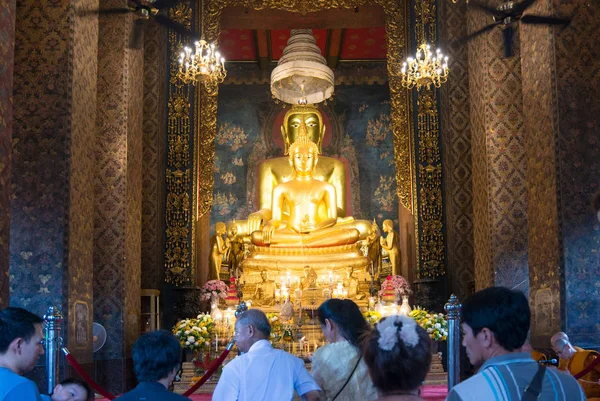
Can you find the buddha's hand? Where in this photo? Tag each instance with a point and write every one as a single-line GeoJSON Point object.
{"type": "Point", "coordinates": [255, 222]}
{"type": "Point", "coordinates": [267, 232]}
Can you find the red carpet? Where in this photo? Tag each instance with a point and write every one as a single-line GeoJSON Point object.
{"type": "Point", "coordinates": [430, 393]}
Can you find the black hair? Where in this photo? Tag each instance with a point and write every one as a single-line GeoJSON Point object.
{"type": "Point", "coordinates": [73, 381]}
{"type": "Point", "coordinates": [257, 319]}
{"type": "Point", "coordinates": [155, 354]}
{"type": "Point", "coordinates": [403, 368]}
{"type": "Point", "coordinates": [503, 311]}
{"type": "Point", "coordinates": [16, 323]}
{"type": "Point", "coordinates": [348, 318]}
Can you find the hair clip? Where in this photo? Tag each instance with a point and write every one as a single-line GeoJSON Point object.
{"type": "Point", "coordinates": [388, 332]}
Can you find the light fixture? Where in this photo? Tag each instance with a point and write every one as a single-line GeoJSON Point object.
{"type": "Point", "coordinates": [203, 64]}
{"type": "Point", "coordinates": [302, 75]}
{"type": "Point", "coordinates": [425, 69]}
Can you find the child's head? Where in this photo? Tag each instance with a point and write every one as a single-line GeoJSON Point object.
{"type": "Point", "coordinates": [72, 390]}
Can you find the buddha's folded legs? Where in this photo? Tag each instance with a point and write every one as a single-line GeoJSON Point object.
{"type": "Point", "coordinates": [286, 238]}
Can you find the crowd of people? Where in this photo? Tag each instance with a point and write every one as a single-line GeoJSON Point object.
{"type": "Point", "coordinates": [386, 363]}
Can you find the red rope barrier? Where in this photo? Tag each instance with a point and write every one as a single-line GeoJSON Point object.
{"type": "Point", "coordinates": [209, 372]}
{"type": "Point", "coordinates": [85, 376]}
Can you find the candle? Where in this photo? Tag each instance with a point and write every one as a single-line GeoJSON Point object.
{"type": "Point", "coordinates": [216, 343]}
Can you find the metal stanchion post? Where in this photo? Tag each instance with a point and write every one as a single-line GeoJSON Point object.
{"type": "Point", "coordinates": [453, 311]}
{"type": "Point", "coordinates": [53, 318]}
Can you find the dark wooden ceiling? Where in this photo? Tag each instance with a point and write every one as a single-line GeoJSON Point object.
{"type": "Point", "coordinates": [342, 34]}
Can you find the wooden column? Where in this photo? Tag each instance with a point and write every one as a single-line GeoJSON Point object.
{"type": "Point", "coordinates": [498, 159]}
{"type": "Point", "coordinates": [52, 165]}
{"type": "Point", "coordinates": [563, 153]}
{"type": "Point", "coordinates": [118, 197]}
{"type": "Point", "coordinates": [7, 33]}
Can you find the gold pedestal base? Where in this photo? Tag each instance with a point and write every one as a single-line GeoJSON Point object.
{"type": "Point", "coordinates": [322, 260]}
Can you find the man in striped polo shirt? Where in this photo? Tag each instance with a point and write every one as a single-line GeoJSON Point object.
{"type": "Point", "coordinates": [495, 322]}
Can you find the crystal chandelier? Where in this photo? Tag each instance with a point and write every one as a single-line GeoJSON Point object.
{"type": "Point", "coordinates": [204, 64]}
{"type": "Point", "coordinates": [425, 69]}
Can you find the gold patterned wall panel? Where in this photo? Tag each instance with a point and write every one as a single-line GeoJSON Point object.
{"type": "Point", "coordinates": [478, 80]}
{"type": "Point", "coordinates": [153, 170]}
{"type": "Point", "coordinates": [430, 245]}
{"type": "Point", "coordinates": [456, 149]}
{"type": "Point", "coordinates": [179, 205]}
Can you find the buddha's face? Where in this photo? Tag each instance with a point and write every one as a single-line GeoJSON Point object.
{"type": "Point", "coordinates": [314, 130]}
{"type": "Point", "coordinates": [304, 160]}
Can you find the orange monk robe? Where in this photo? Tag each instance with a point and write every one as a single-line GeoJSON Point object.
{"type": "Point", "coordinates": [590, 382]}
{"type": "Point", "coordinates": [538, 356]}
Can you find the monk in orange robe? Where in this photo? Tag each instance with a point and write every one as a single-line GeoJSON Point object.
{"type": "Point", "coordinates": [584, 365]}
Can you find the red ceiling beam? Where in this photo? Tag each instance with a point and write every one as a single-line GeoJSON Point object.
{"type": "Point", "coordinates": [263, 55]}
{"type": "Point", "coordinates": [334, 46]}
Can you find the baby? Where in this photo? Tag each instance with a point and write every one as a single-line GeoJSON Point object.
{"type": "Point", "coordinates": [70, 390]}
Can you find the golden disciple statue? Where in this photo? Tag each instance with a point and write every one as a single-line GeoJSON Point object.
{"type": "Point", "coordinates": [311, 206]}
{"type": "Point", "coordinates": [374, 249]}
{"type": "Point", "coordinates": [392, 245]}
{"type": "Point", "coordinates": [276, 171]}
{"type": "Point", "coordinates": [236, 250]}
{"type": "Point", "coordinates": [218, 247]}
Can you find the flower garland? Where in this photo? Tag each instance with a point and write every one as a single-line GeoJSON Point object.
{"type": "Point", "coordinates": [194, 334]}
{"type": "Point", "coordinates": [435, 324]}
{"type": "Point", "coordinates": [372, 317]}
{"type": "Point", "coordinates": [211, 288]}
{"type": "Point", "coordinates": [275, 325]}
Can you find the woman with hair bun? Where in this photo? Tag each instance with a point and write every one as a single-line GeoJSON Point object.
{"type": "Point", "coordinates": [398, 356]}
{"type": "Point", "coordinates": [338, 367]}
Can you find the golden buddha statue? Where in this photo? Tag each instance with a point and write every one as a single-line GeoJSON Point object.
{"type": "Point", "coordinates": [302, 218]}
{"type": "Point", "coordinates": [311, 219]}
{"type": "Point", "coordinates": [276, 171]}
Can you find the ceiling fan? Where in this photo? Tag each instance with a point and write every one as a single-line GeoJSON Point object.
{"type": "Point", "coordinates": [508, 13]}
{"type": "Point", "coordinates": [146, 11]}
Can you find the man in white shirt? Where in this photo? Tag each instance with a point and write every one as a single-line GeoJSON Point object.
{"type": "Point", "coordinates": [262, 373]}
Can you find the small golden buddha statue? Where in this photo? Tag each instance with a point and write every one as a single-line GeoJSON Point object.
{"type": "Point", "coordinates": [310, 203]}
{"type": "Point", "coordinates": [218, 247]}
{"type": "Point", "coordinates": [310, 278]}
{"type": "Point", "coordinates": [392, 245]}
{"type": "Point", "coordinates": [265, 290]}
{"type": "Point", "coordinates": [276, 171]}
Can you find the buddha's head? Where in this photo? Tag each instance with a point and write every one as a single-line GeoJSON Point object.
{"type": "Point", "coordinates": [313, 120]}
{"type": "Point", "coordinates": [303, 153]}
